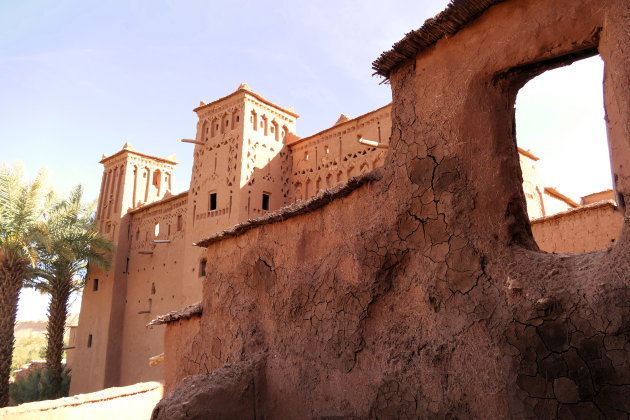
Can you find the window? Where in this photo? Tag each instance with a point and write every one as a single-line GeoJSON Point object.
{"type": "Point", "coordinates": [265, 201]}
{"type": "Point", "coordinates": [202, 267]}
{"type": "Point", "coordinates": [95, 285]}
{"type": "Point", "coordinates": [561, 121]}
{"type": "Point", "coordinates": [212, 205]}
{"type": "Point", "coordinates": [89, 340]}
{"type": "Point", "coordinates": [156, 229]}
{"type": "Point", "coordinates": [180, 223]}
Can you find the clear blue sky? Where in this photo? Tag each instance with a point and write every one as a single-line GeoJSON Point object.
{"type": "Point", "coordinates": [80, 78]}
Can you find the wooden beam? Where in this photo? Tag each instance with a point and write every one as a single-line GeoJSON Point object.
{"type": "Point", "coordinates": [192, 141]}
{"type": "Point", "coordinates": [145, 252]}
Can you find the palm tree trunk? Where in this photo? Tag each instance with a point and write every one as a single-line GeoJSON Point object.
{"type": "Point", "coordinates": [57, 313]}
{"type": "Point", "coordinates": [11, 280]}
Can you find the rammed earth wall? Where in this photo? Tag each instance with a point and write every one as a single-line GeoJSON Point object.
{"type": "Point", "coordinates": [422, 293]}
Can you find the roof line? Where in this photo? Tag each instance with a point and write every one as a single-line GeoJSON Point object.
{"type": "Point", "coordinates": [593, 206]}
{"type": "Point", "coordinates": [137, 153]}
{"type": "Point", "coordinates": [456, 16]}
{"type": "Point", "coordinates": [196, 309]}
{"type": "Point", "coordinates": [296, 209]}
{"type": "Point", "coordinates": [560, 196]}
{"type": "Point", "coordinates": [156, 203]}
{"type": "Point", "coordinates": [300, 140]}
{"type": "Point", "coordinates": [251, 93]}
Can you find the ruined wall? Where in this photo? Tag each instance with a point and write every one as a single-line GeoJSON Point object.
{"type": "Point", "coordinates": [423, 294]}
{"type": "Point", "coordinates": [589, 228]}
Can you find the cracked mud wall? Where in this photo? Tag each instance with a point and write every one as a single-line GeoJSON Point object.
{"type": "Point", "coordinates": [423, 293]}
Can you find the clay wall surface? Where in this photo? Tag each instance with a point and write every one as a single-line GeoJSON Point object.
{"type": "Point", "coordinates": [153, 284]}
{"type": "Point", "coordinates": [423, 293]}
{"type": "Point", "coordinates": [178, 337]}
{"type": "Point", "coordinates": [131, 402]}
{"type": "Point", "coordinates": [335, 155]}
{"type": "Point", "coordinates": [590, 228]}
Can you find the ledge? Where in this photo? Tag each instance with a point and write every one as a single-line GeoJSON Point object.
{"type": "Point", "coordinates": [295, 209]}
{"type": "Point", "coordinates": [456, 16]}
{"type": "Point", "coordinates": [601, 204]}
{"type": "Point", "coordinates": [188, 312]}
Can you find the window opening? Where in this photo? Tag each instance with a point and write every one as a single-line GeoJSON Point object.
{"type": "Point", "coordinates": [180, 223]}
{"type": "Point", "coordinates": [213, 202]}
{"type": "Point", "coordinates": [202, 267]}
{"type": "Point", "coordinates": [95, 285]}
{"type": "Point", "coordinates": [560, 126]}
{"type": "Point", "coordinates": [89, 341]}
{"type": "Point", "coordinates": [156, 229]}
{"type": "Point", "coordinates": [265, 201]}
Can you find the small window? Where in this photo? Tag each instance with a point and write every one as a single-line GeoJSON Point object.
{"type": "Point", "coordinates": [180, 223]}
{"type": "Point", "coordinates": [305, 155]}
{"type": "Point", "coordinates": [213, 202]}
{"type": "Point", "coordinates": [202, 267]}
{"type": "Point", "coordinates": [237, 118]}
{"type": "Point", "coordinates": [95, 285]}
{"type": "Point", "coordinates": [327, 149]}
{"type": "Point", "coordinates": [265, 201]}
{"type": "Point", "coordinates": [89, 340]}
{"type": "Point", "coordinates": [138, 234]}
{"type": "Point", "coordinates": [156, 229]}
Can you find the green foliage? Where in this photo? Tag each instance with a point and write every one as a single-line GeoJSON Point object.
{"type": "Point", "coordinates": [28, 348]}
{"type": "Point", "coordinates": [38, 386]}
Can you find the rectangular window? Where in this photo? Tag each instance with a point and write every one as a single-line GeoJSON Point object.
{"type": "Point", "coordinates": [180, 223]}
{"type": "Point", "coordinates": [95, 285]}
{"type": "Point", "coordinates": [89, 340]}
{"type": "Point", "coordinates": [202, 267]}
{"type": "Point", "coordinates": [213, 202]}
{"type": "Point", "coordinates": [265, 201]}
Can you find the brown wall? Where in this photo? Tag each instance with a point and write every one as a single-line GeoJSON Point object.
{"type": "Point", "coordinates": [424, 294]}
{"type": "Point", "coordinates": [178, 340]}
{"type": "Point", "coordinates": [590, 228]}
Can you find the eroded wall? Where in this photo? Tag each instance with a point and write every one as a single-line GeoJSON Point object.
{"type": "Point", "coordinates": [423, 294]}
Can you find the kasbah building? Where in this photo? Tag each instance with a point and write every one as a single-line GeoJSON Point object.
{"type": "Point", "coordinates": [248, 161]}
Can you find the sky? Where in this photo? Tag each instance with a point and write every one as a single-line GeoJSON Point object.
{"type": "Point", "coordinates": [81, 78]}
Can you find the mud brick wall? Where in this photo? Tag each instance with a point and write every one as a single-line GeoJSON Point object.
{"type": "Point", "coordinates": [423, 293]}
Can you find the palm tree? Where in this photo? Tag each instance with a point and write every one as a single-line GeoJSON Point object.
{"type": "Point", "coordinates": [73, 241]}
{"type": "Point", "coordinates": [20, 211]}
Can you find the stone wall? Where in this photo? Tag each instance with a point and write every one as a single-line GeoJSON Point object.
{"type": "Point", "coordinates": [423, 292]}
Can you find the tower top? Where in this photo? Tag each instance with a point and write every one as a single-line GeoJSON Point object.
{"type": "Point", "coordinates": [129, 149]}
{"type": "Point", "coordinates": [244, 88]}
